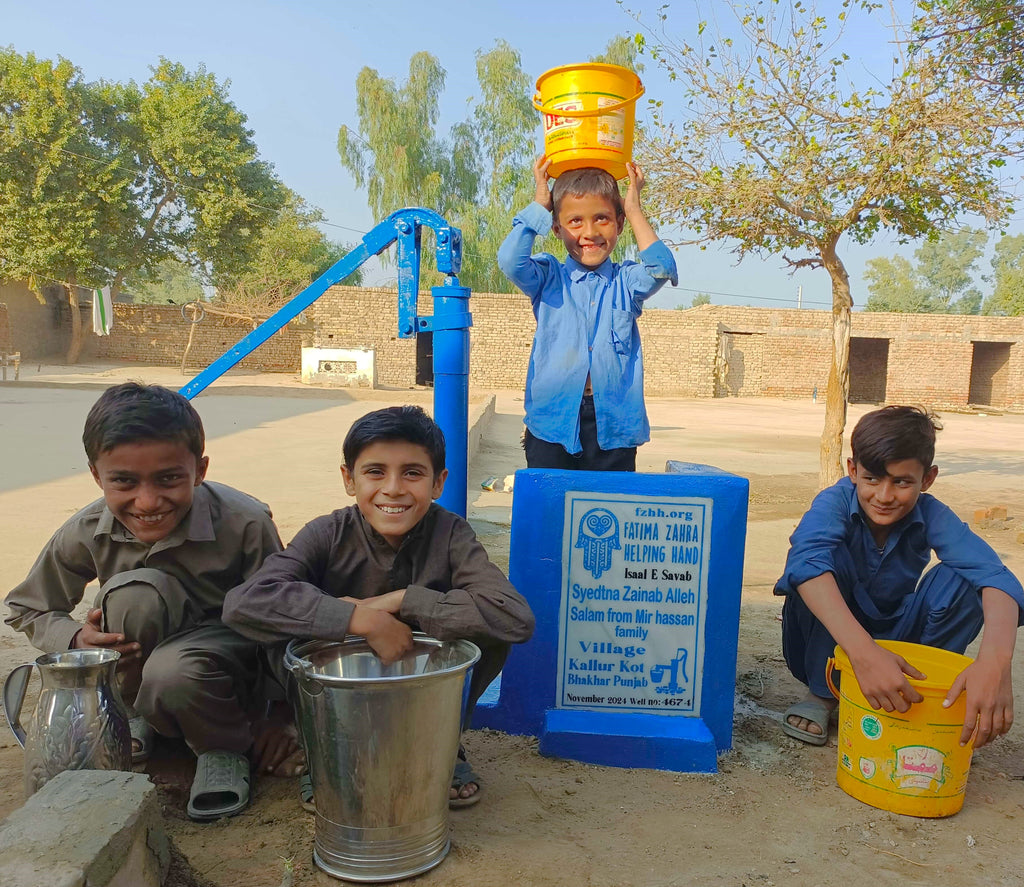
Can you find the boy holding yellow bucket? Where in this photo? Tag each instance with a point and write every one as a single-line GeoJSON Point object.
{"type": "Point", "coordinates": [855, 573]}
{"type": "Point", "coordinates": [584, 385]}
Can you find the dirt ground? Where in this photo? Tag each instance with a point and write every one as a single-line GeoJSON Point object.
{"type": "Point", "coordinates": [773, 815]}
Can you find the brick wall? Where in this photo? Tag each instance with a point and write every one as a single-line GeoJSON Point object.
{"type": "Point", "coordinates": [158, 334]}
{"type": "Point", "coordinates": [943, 361]}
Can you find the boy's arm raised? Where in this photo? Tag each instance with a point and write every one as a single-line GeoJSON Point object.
{"type": "Point", "coordinates": [642, 230]}
{"type": "Point", "coordinates": [514, 254]}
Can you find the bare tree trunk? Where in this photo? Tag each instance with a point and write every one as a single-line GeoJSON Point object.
{"type": "Point", "coordinates": [75, 346]}
{"type": "Point", "coordinates": [838, 390]}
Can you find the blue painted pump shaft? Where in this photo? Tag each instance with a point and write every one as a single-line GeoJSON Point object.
{"type": "Point", "coordinates": [451, 345]}
{"type": "Point", "coordinates": [451, 387]}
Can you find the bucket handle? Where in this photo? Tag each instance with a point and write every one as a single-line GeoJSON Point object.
{"type": "Point", "coordinates": [14, 697]}
{"type": "Point", "coordinates": [597, 112]}
{"type": "Point", "coordinates": [298, 669]}
{"type": "Point", "coordinates": [829, 668]}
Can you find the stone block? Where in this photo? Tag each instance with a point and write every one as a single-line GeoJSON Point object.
{"type": "Point", "coordinates": [981, 514]}
{"type": "Point", "coordinates": [86, 828]}
{"type": "Point", "coordinates": [997, 512]}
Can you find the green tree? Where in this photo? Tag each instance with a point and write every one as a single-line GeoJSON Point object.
{"type": "Point", "coordinates": [696, 302]}
{"type": "Point", "coordinates": [979, 40]}
{"type": "Point", "coordinates": [63, 196]}
{"type": "Point", "coordinates": [171, 281]}
{"type": "Point", "coordinates": [942, 282]}
{"type": "Point", "coordinates": [396, 154]}
{"type": "Point", "coordinates": [290, 254]}
{"type": "Point", "coordinates": [1008, 264]}
{"type": "Point", "coordinates": [782, 155]}
{"type": "Point", "coordinates": [479, 174]}
{"type": "Point", "coordinates": [203, 193]}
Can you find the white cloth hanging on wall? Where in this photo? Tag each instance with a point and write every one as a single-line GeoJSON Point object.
{"type": "Point", "coordinates": [102, 312]}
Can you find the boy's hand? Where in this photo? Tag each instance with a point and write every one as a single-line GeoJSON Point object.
{"type": "Point", "coordinates": [389, 638]}
{"type": "Point", "coordinates": [882, 676]}
{"type": "Point", "coordinates": [636, 182]}
{"type": "Point", "coordinates": [90, 635]}
{"type": "Point", "coordinates": [989, 688]}
{"type": "Point", "coordinates": [540, 176]}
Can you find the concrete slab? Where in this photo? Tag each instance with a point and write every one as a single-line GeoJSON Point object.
{"type": "Point", "coordinates": [86, 828]}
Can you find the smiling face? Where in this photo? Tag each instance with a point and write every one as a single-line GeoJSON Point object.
{"type": "Point", "coordinates": [589, 227]}
{"type": "Point", "coordinates": [148, 485]}
{"type": "Point", "coordinates": [394, 483]}
{"type": "Point", "coordinates": [885, 500]}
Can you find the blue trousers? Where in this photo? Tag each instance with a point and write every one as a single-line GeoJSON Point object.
{"type": "Point", "coordinates": [944, 611]}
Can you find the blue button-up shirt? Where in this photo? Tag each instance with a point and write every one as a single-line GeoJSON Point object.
{"type": "Point", "coordinates": [885, 577]}
{"type": "Point", "coordinates": [586, 325]}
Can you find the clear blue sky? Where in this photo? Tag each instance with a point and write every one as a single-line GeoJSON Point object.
{"type": "Point", "coordinates": [292, 68]}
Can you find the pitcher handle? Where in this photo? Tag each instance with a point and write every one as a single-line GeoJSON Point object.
{"type": "Point", "coordinates": [14, 696]}
{"type": "Point", "coordinates": [829, 668]}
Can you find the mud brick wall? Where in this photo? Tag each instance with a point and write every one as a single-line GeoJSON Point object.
{"type": "Point", "coordinates": [941, 361]}
{"type": "Point", "coordinates": [157, 334]}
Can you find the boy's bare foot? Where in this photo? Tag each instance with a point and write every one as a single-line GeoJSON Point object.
{"type": "Point", "coordinates": [808, 719]}
{"type": "Point", "coordinates": [465, 789]}
{"type": "Point", "coordinates": [277, 750]}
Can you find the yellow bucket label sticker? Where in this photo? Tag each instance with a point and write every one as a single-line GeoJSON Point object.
{"type": "Point", "coordinates": [846, 761]}
{"type": "Point", "coordinates": [611, 128]}
{"type": "Point", "coordinates": [558, 126]}
{"type": "Point", "coordinates": [919, 766]}
{"type": "Point", "coordinates": [870, 726]}
{"type": "Point", "coordinates": [867, 767]}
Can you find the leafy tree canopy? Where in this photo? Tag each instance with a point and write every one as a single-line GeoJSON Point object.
{"type": "Point", "coordinates": [979, 40]}
{"type": "Point", "coordinates": [477, 175]}
{"type": "Point", "coordinates": [782, 154]}
{"type": "Point", "coordinates": [1008, 264]}
{"type": "Point", "coordinates": [291, 253]}
{"type": "Point", "coordinates": [942, 282]}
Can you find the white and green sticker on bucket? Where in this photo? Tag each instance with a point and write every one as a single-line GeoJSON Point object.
{"type": "Point", "coordinates": [870, 726]}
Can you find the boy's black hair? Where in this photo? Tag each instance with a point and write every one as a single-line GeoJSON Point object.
{"type": "Point", "coordinates": [408, 423]}
{"type": "Point", "coordinates": [892, 434]}
{"type": "Point", "coordinates": [133, 412]}
{"type": "Point", "coordinates": [583, 182]}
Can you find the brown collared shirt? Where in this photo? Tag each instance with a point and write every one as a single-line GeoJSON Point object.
{"type": "Point", "coordinates": [452, 588]}
{"type": "Point", "coordinates": [222, 541]}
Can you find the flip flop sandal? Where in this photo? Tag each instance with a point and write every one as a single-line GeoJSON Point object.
{"type": "Point", "coordinates": [143, 734]}
{"type": "Point", "coordinates": [464, 775]}
{"type": "Point", "coordinates": [220, 787]}
{"type": "Point", "coordinates": [306, 793]}
{"type": "Point", "coordinates": [816, 712]}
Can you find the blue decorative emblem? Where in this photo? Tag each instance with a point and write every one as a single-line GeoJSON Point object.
{"type": "Point", "coordinates": [598, 537]}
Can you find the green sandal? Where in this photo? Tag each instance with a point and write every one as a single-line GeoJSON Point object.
{"type": "Point", "coordinates": [221, 786]}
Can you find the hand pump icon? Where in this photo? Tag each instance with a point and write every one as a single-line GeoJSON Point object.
{"type": "Point", "coordinates": [674, 667]}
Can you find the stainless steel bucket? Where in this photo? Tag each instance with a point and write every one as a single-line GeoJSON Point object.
{"type": "Point", "coordinates": [381, 742]}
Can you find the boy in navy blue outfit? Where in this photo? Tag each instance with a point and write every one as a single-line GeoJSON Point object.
{"type": "Point", "coordinates": [584, 386]}
{"type": "Point", "coordinates": [854, 575]}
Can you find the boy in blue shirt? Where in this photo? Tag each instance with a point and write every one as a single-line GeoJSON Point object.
{"type": "Point", "coordinates": [854, 575]}
{"type": "Point", "coordinates": [585, 386]}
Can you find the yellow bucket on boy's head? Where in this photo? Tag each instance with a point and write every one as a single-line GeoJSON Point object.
{"type": "Point", "coordinates": [589, 111]}
{"type": "Point", "coordinates": [911, 762]}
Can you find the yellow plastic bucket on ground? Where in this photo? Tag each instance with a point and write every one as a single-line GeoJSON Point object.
{"type": "Point", "coordinates": [589, 112]}
{"type": "Point", "coordinates": [912, 762]}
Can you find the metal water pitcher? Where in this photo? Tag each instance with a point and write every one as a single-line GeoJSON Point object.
{"type": "Point", "coordinates": [80, 721]}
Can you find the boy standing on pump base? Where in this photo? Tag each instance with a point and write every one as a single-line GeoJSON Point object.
{"type": "Point", "coordinates": [584, 386]}
{"type": "Point", "coordinates": [391, 561]}
{"type": "Point", "coordinates": [165, 545]}
{"type": "Point", "coordinates": [854, 574]}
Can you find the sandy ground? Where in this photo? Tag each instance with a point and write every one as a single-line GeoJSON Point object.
{"type": "Point", "coordinates": [772, 816]}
